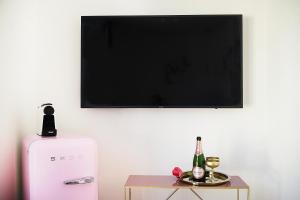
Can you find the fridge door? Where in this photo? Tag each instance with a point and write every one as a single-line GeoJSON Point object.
{"type": "Point", "coordinates": [63, 169]}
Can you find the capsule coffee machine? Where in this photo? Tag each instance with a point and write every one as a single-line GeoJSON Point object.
{"type": "Point", "coordinates": [48, 122]}
{"type": "Point", "coordinates": [58, 168]}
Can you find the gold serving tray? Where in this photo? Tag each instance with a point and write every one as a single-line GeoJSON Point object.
{"type": "Point", "coordinates": [220, 178]}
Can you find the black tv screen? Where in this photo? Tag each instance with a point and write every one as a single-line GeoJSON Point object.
{"type": "Point", "coordinates": [161, 61]}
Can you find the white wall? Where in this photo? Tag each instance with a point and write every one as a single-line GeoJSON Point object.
{"type": "Point", "coordinates": [40, 61]}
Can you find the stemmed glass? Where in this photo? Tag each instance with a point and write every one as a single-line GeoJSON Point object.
{"type": "Point", "coordinates": [212, 162]}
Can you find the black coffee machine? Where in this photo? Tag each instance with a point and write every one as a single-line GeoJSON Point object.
{"type": "Point", "coordinates": [48, 122]}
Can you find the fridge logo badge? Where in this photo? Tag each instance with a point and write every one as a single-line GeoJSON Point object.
{"type": "Point", "coordinates": [63, 158]}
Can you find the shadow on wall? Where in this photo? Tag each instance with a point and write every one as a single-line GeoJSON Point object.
{"type": "Point", "coordinates": [19, 168]}
{"type": "Point", "coordinates": [8, 176]}
{"type": "Point", "coordinates": [11, 171]}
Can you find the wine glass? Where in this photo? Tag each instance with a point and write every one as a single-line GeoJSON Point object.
{"type": "Point", "coordinates": [212, 162]}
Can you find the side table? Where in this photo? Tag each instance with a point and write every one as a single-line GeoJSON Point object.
{"type": "Point", "coordinates": [170, 182]}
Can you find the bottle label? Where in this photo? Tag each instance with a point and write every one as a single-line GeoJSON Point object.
{"type": "Point", "coordinates": [198, 172]}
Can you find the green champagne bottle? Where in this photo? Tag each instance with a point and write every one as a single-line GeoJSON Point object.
{"type": "Point", "coordinates": [199, 163]}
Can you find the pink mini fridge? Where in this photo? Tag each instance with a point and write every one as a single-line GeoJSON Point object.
{"type": "Point", "coordinates": [57, 168]}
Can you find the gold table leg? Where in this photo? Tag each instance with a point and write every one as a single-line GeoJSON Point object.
{"type": "Point", "coordinates": [125, 192]}
{"type": "Point", "coordinates": [238, 194]}
{"type": "Point", "coordinates": [129, 193]}
{"type": "Point", "coordinates": [195, 193]}
{"type": "Point", "coordinates": [248, 194]}
{"type": "Point", "coordinates": [172, 194]}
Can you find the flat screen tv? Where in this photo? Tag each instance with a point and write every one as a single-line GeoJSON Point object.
{"type": "Point", "coordinates": [177, 61]}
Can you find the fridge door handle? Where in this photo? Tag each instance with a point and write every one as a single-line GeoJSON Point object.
{"type": "Point", "coordinates": [83, 180]}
